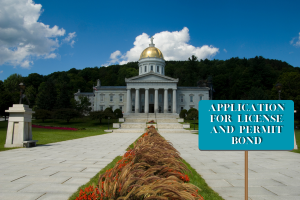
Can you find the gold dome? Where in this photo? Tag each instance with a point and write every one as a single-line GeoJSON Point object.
{"type": "Point", "coordinates": [152, 52]}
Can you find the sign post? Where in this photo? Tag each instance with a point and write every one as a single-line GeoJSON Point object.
{"type": "Point", "coordinates": [246, 125]}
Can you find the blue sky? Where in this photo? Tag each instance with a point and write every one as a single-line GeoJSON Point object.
{"type": "Point", "coordinates": [45, 36]}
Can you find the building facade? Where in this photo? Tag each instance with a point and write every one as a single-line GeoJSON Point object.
{"type": "Point", "coordinates": [149, 92]}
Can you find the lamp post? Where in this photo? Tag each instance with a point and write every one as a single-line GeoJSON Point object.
{"type": "Point", "coordinates": [108, 122]}
{"type": "Point", "coordinates": [194, 123]}
{"type": "Point", "coordinates": [278, 86]}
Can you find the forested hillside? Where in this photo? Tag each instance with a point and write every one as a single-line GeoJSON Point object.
{"type": "Point", "coordinates": [233, 79]}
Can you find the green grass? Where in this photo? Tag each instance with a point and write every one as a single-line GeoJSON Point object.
{"type": "Point", "coordinates": [197, 180]}
{"type": "Point", "coordinates": [46, 136]}
{"type": "Point", "coordinates": [297, 134]}
{"type": "Point", "coordinates": [94, 181]}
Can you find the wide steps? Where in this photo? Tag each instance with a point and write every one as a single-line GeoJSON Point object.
{"type": "Point", "coordinates": [129, 130]}
{"type": "Point", "coordinates": [169, 126]}
{"type": "Point", "coordinates": [173, 131]}
{"type": "Point", "coordinates": [136, 120]}
{"type": "Point", "coordinates": [167, 120]}
{"type": "Point", "coordinates": [133, 125]}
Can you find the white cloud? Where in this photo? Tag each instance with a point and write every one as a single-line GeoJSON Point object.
{"type": "Point", "coordinates": [22, 37]}
{"type": "Point", "coordinates": [225, 50]}
{"type": "Point", "coordinates": [173, 45]}
{"type": "Point", "coordinates": [297, 43]}
{"type": "Point", "coordinates": [1, 72]}
{"type": "Point", "coordinates": [70, 37]}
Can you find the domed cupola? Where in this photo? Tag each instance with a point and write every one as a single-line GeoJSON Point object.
{"type": "Point", "coordinates": [152, 59]}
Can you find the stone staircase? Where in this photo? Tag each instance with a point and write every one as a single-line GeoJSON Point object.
{"type": "Point", "coordinates": [136, 123]}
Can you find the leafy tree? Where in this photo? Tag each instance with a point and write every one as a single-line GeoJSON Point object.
{"type": "Point", "coordinates": [192, 113]}
{"type": "Point", "coordinates": [42, 114]}
{"type": "Point", "coordinates": [82, 106]}
{"type": "Point", "coordinates": [46, 97]}
{"type": "Point", "coordinates": [63, 97]}
{"type": "Point", "coordinates": [66, 114]}
{"type": "Point", "coordinates": [11, 85]}
{"type": "Point", "coordinates": [6, 101]}
{"type": "Point", "coordinates": [97, 115]}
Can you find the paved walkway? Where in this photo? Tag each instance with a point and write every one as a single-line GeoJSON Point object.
{"type": "Point", "coordinates": [273, 175]}
{"type": "Point", "coordinates": [55, 171]}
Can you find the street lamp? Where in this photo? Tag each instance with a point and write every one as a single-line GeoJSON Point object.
{"type": "Point", "coordinates": [108, 122]}
{"type": "Point", "coordinates": [278, 86]}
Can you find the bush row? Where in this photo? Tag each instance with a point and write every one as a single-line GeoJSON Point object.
{"type": "Point", "coordinates": [190, 114]}
{"type": "Point", "coordinates": [152, 169]}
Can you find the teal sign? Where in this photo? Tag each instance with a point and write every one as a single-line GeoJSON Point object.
{"type": "Point", "coordinates": [261, 125]}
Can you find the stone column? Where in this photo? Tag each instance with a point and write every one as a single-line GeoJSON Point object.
{"type": "Point", "coordinates": [174, 101]}
{"type": "Point", "coordinates": [146, 100]}
{"type": "Point", "coordinates": [128, 101]}
{"type": "Point", "coordinates": [137, 101]}
{"type": "Point", "coordinates": [156, 101]}
{"type": "Point", "coordinates": [166, 101]}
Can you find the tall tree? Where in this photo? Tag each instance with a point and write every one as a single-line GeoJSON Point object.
{"type": "Point", "coordinates": [46, 97]}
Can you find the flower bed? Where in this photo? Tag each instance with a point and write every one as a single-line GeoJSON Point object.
{"type": "Point", "coordinates": [151, 122]}
{"type": "Point", "coordinates": [151, 170]}
{"type": "Point", "coordinates": [51, 127]}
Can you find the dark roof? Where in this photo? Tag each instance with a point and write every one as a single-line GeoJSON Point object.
{"type": "Point", "coordinates": [84, 94]}
{"type": "Point", "coordinates": [111, 87]}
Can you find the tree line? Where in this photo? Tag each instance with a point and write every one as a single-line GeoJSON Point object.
{"type": "Point", "coordinates": [233, 79]}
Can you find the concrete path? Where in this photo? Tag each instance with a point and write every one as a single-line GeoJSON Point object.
{"type": "Point", "coordinates": [55, 171]}
{"type": "Point", "coordinates": [273, 175]}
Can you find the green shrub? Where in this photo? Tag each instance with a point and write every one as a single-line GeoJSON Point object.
{"type": "Point", "coordinates": [183, 113]}
{"type": "Point", "coordinates": [118, 113]}
{"type": "Point", "coordinates": [66, 114]}
{"type": "Point", "coordinates": [193, 114]}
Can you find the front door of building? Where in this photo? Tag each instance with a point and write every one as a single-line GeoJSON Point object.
{"type": "Point", "coordinates": [151, 108]}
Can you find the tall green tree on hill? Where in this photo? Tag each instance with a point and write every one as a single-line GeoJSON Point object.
{"type": "Point", "coordinates": [46, 97]}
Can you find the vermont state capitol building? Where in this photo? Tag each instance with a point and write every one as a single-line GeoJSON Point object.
{"type": "Point", "coordinates": [149, 92]}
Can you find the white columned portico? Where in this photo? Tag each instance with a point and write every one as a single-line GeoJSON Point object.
{"type": "Point", "coordinates": [174, 101]}
{"type": "Point", "coordinates": [128, 101]}
{"type": "Point", "coordinates": [146, 100]}
{"type": "Point", "coordinates": [166, 101]}
{"type": "Point", "coordinates": [137, 100]}
{"type": "Point", "coordinates": [156, 101]}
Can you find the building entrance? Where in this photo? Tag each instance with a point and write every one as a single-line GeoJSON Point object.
{"type": "Point", "coordinates": [151, 108]}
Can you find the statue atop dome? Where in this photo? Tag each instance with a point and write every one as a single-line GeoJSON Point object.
{"type": "Point", "coordinates": [151, 45]}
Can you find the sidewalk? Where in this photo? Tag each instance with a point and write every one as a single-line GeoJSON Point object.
{"type": "Point", "coordinates": [55, 171]}
{"type": "Point", "coordinates": [272, 175]}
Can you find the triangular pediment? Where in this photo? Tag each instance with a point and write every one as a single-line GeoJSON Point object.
{"type": "Point", "coordinates": [151, 77]}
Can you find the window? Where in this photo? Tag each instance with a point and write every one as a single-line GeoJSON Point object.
{"type": "Point", "coordinates": [121, 98]}
{"type": "Point", "coordinates": [201, 97]}
{"type": "Point", "coordinates": [157, 68]}
{"type": "Point", "coordinates": [170, 98]}
{"type": "Point", "coordinates": [102, 98]}
{"type": "Point", "coordinates": [160, 98]}
{"type": "Point", "coordinates": [145, 68]}
{"type": "Point", "coordinates": [101, 108]}
{"type": "Point", "coordinates": [159, 109]}
{"type": "Point", "coordinates": [181, 108]}
{"type": "Point", "coordinates": [151, 68]}
{"type": "Point", "coordinates": [112, 107]}
{"type": "Point", "coordinates": [132, 108]}
{"type": "Point", "coordinates": [181, 98]}
{"type": "Point", "coordinates": [191, 98]}
{"type": "Point", "coordinates": [151, 98]}
{"type": "Point", "coordinates": [120, 107]}
{"type": "Point", "coordinates": [111, 98]}
{"type": "Point", "coordinates": [142, 109]}
{"type": "Point", "coordinates": [169, 108]}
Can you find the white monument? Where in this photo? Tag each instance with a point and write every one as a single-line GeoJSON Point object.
{"type": "Point", "coordinates": [19, 129]}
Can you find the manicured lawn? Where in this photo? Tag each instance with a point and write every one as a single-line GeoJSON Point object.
{"type": "Point", "coordinates": [46, 136]}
